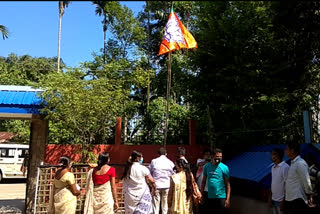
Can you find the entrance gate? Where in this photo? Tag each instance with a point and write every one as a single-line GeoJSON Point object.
{"type": "Point", "coordinates": [22, 103]}
{"type": "Point", "coordinates": [44, 188]}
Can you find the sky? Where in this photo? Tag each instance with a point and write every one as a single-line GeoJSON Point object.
{"type": "Point", "coordinates": [33, 27]}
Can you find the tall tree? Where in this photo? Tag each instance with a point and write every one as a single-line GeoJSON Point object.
{"type": "Point", "coordinates": [106, 9]}
{"type": "Point", "coordinates": [4, 31]}
{"type": "Point", "coordinates": [256, 75]}
{"type": "Point", "coordinates": [62, 6]}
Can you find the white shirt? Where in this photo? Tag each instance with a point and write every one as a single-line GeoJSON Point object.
{"type": "Point", "coordinates": [161, 169]}
{"type": "Point", "coordinates": [279, 175]}
{"type": "Point", "coordinates": [200, 178]}
{"type": "Point", "coordinates": [184, 158]}
{"type": "Point", "coordinates": [136, 184]}
{"type": "Point", "coordinates": [298, 182]}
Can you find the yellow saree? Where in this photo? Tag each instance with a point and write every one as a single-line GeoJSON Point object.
{"type": "Point", "coordinates": [64, 201]}
{"type": "Point", "coordinates": [177, 198]}
{"type": "Point", "coordinates": [99, 199]}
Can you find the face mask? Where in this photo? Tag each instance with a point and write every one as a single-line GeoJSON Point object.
{"type": "Point", "coordinates": [141, 160]}
{"type": "Point", "coordinates": [217, 160]}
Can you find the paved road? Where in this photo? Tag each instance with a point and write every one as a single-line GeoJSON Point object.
{"type": "Point", "coordinates": [12, 196]}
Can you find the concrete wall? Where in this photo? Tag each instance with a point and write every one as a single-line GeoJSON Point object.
{"type": "Point", "coordinates": [119, 153]}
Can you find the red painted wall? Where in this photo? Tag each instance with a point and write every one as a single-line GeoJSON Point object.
{"type": "Point", "coordinates": [119, 153]}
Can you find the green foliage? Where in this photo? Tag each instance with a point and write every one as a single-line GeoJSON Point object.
{"type": "Point", "coordinates": [21, 128]}
{"type": "Point", "coordinates": [153, 123]}
{"type": "Point", "coordinates": [247, 83]}
{"type": "Point", "coordinates": [25, 70]}
{"type": "Point", "coordinates": [89, 107]}
{"type": "Point", "coordinates": [126, 31]}
{"type": "Point", "coordinates": [256, 73]}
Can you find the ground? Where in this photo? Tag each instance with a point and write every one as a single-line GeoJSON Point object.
{"type": "Point", "coordinates": [12, 200]}
{"type": "Point", "coordinates": [12, 196]}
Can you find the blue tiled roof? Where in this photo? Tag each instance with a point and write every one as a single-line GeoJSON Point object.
{"type": "Point", "coordinates": [266, 148]}
{"type": "Point", "coordinates": [255, 164]}
{"type": "Point", "coordinates": [19, 99]}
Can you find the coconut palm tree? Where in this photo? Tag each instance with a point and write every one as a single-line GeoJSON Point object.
{"type": "Point", "coordinates": [4, 31]}
{"type": "Point", "coordinates": [102, 10]}
{"type": "Point", "coordinates": [62, 6]}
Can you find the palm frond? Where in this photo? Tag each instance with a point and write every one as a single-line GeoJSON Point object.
{"type": "Point", "coordinates": [66, 3]}
{"type": "Point", "coordinates": [100, 7]}
{"type": "Point", "coordinates": [4, 31]}
{"type": "Point", "coordinates": [62, 6]}
{"type": "Point", "coordinates": [99, 11]}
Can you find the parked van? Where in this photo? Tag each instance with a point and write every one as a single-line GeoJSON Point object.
{"type": "Point", "coordinates": [11, 160]}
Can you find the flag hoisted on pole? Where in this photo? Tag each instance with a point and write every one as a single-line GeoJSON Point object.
{"type": "Point", "coordinates": [176, 37]}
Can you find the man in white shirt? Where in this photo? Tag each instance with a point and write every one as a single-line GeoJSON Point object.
{"type": "Point", "coordinates": [161, 169]}
{"type": "Point", "coordinates": [298, 185]}
{"type": "Point", "coordinates": [181, 153]}
{"type": "Point", "coordinates": [279, 173]}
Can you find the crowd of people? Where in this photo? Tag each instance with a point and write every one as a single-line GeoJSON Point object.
{"type": "Point", "coordinates": [170, 187]}
{"type": "Point", "coordinates": [294, 188]}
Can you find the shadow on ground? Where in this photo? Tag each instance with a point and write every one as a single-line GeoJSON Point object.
{"type": "Point", "coordinates": [12, 206]}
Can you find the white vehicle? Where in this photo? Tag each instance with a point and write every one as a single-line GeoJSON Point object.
{"type": "Point", "coordinates": [11, 160]}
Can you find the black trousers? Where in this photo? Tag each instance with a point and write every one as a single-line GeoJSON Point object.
{"type": "Point", "coordinates": [215, 205]}
{"type": "Point", "coordinates": [203, 207]}
{"type": "Point", "coordinates": [297, 206]}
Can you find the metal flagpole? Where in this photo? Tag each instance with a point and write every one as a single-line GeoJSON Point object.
{"type": "Point", "coordinates": [168, 101]}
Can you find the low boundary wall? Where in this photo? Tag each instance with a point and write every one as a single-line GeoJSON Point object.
{"type": "Point", "coordinates": [119, 153]}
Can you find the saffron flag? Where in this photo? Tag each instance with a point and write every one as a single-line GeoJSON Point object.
{"type": "Point", "coordinates": [176, 36]}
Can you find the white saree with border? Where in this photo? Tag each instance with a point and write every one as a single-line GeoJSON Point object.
{"type": "Point", "coordinates": [99, 199]}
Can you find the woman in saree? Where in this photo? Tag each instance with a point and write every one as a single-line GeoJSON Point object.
{"type": "Point", "coordinates": [136, 177]}
{"type": "Point", "coordinates": [101, 197]}
{"type": "Point", "coordinates": [65, 191]}
{"type": "Point", "coordinates": [183, 189]}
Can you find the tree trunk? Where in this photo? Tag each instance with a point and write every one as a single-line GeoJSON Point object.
{"type": "Point", "coordinates": [83, 151]}
{"type": "Point", "coordinates": [104, 38]}
{"type": "Point", "coordinates": [149, 44]}
{"type": "Point", "coordinates": [148, 91]}
{"type": "Point", "coordinates": [188, 95]}
{"type": "Point", "coordinates": [125, 131]}
{"type": "Point", "coordinates": [59, 39]}
{"type": "Point", "coordinates": [211, 129]}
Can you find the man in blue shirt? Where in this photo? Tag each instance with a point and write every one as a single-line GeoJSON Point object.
{"type": "Point", "coordinates": [216, 174]}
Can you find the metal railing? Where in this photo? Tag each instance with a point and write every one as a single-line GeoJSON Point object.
{"type": "Point", "coordinates": [138, 132]}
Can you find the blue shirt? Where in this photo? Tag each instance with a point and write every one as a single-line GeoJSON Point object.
{"type": "Point", "coordinates": [215, 181]}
